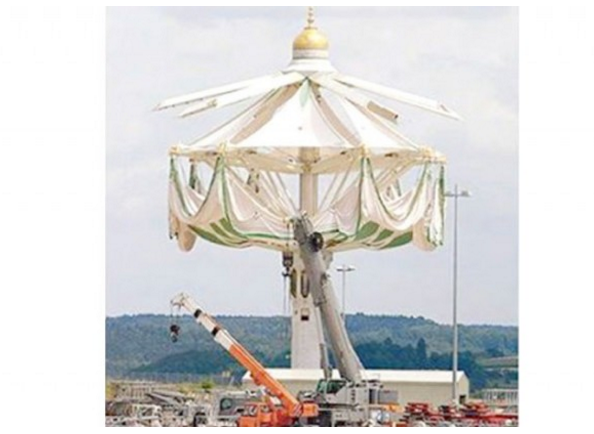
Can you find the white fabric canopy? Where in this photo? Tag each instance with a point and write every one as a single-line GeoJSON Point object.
{"type": "Point", "coordinates": [271, 134]}
{"type": "Point", "coordinates": [307, 124]}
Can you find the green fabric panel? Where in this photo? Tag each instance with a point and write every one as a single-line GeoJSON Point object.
{"type": "Point", "coordinates": [252, 235]}
{"type": "Point", "coordinates": [399, 241]}
{"type": "Point", "coordinates": [231, 232]}
{"type": "Point", "coordinates": [383, 235]}
{"type": "Point", "coordinates": [228, 227]}
{"type": "Point", "coordinates": [221, 232]}
{"type": "Point", "coordinates": [367, 230]}
{"type": "Point", "coordinates": [208, 236]}
{"type": "Point", "coordinates": [172, 170]}
{"type": "Point", "coordinates": [178, 189]}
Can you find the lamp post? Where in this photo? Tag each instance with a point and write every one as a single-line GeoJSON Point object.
{"type": "Point", "coordinates": [344, 269]}
{"type": "Point", "coordinates": [455, 194]}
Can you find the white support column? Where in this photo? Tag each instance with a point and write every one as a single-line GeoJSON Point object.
{"type": "Point", "coordinates": [305, 340]}
{"type": "Point", "coordinates": [306, 336]}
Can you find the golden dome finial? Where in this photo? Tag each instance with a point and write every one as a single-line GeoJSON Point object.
{"type": "Point", "coordinates": [310, 38]}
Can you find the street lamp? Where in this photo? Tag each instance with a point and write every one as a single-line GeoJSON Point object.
{"type": "Point", "coordinates": [455, 194]}
{"type": "Point", "coordinates": [344, 269]}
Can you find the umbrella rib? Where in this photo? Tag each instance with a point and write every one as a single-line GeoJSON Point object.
{"type": "Point", "coordinates": [327, 81]}
{"type": "Point", "coordinates": [398, 95]}
{"type": "Point", "coordinates": [243, 93]}
{"type": "Point", "coordinates": [209, 93]}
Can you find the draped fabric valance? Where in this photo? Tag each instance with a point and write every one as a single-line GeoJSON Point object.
{"type": "Point", "coordinates": [365, 209]}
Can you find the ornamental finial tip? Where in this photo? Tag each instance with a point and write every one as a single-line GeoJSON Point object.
{"type": "Point", "coordinates": [310, 17]}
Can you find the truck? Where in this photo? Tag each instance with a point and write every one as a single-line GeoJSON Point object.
{"type": "Point", "coordinates": [352, 400]}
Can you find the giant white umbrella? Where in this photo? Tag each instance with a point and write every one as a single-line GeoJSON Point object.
{"type": "Point", "coordinates": [306, 121]}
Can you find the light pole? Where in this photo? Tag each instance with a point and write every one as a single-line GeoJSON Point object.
{"type": "Point", "coordinates": [344, 269]}
{"type": "Point", "coordinates": [455, 194]}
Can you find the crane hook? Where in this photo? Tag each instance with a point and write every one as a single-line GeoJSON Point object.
{"type": "Point", "coordinates": [174, 330]}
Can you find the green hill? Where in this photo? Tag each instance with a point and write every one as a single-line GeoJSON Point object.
{"type": "Point", "coordinates": [140, 346]}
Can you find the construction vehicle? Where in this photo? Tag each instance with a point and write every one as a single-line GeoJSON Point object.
{"type": "Point", "coordinates": [351, 400]}
{"type": "Point", "coordinates": [286, 411]}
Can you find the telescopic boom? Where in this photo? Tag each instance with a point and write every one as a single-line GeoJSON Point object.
{"type": "Point", "coordinates": [310, 246]}
{"type": "Point", "coordinates": [239, 353]}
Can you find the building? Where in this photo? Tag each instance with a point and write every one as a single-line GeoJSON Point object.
{"type": "Point", "coordinates": [434, 387]}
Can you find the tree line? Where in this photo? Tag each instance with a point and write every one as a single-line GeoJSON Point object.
{"type": "Point", "coordinates": [137, 345]}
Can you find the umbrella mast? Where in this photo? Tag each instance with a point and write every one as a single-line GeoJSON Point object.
{"type": "Point", "coordinates": [310, 55]}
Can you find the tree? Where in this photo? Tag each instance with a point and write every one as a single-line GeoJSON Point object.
{"type": "Point", "coordinates": [421, 353]}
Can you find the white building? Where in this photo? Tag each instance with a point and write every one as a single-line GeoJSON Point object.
{"type": "Point", "coordinates": [434, 387]}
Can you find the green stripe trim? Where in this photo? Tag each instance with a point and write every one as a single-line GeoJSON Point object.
{"type": "Point", "coordinates": [399, 241]}
{"type": "Point", "coordinates": [227, 226]}
{"type": "Point", "coordinates": [383, 235]}
{"type": "Point", "coordinates": [367, 230]}
{"type": "Point", "coordinates": [209, 237]}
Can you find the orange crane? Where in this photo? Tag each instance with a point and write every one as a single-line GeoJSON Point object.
{"type": "Point", "coordinates": [265, 413]}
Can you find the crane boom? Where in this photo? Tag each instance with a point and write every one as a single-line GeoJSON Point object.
{"type": "Point", "coordinates": [310, 245]}
{"type": "Point", "coordinates": [239, 353]}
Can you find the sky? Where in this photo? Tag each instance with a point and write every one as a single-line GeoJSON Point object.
{"type": "Point", "coordinates": [465, 57]}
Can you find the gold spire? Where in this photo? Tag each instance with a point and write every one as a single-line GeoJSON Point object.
{"type": "Point", "coordinates": [310, 17]}
{"type": "Point", "coordinates": [310, 38]}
